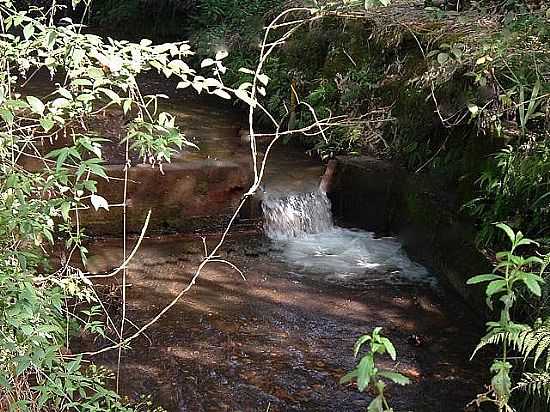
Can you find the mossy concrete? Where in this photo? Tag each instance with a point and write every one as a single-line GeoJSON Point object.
{"type": "Point", "coordinates": [381, 196]}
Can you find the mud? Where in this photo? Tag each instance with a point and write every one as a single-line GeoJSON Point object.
{"type": "Point", "coordinates": [281, 340]}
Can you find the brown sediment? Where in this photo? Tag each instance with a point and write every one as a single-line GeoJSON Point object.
{"type": "Point", "coordinates": [280, 340]}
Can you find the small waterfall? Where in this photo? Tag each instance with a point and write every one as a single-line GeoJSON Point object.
{"type": "Point", "coordinates": [295, 215]}
{"type": "Point", "coordinates": [305, 237]}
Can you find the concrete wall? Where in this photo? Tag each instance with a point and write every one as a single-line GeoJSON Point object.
{"type": "Point", "coordinates": [188, 196]}
{"type": "Point", "coordinates": [379, 196]}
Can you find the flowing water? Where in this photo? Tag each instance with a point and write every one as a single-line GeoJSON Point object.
{"type": "Point", "coordinates": [303, 230]}
{"type": "Point", "coordinates": [281, 339]}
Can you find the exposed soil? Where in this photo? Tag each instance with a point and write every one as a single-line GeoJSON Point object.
{"type": "Point", "coordinates": [279, 341]}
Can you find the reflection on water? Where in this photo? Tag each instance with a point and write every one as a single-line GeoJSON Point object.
{"type": "Point", "coordinates": [305, 237]}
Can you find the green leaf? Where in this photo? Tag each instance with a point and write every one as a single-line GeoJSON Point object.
{"type": "Point", "coordinates": [389, 348]}
{"type": "Point", "coordinates": [376, 405]}
{"type": "Point", "coordinates": [264, 79]}
{"type": "Point", "coordinates": [483, 278]}
{"type": "Point", "coordinates": [47, 123]}
{"type": "Point", "coordinates": [395, 377]}
{"type": "Point", "coordinates": [222, 93]}
{"type": "Point", "coordinates": [508, 230]}
{"type": "Point", "coordinates": [36, 104]}
{"type": "Point", "coordinates": [443, 58]}
{"type": "Point", "coordinates": [533, 284]}
{"type": "Point", "coordinates": [348, 377]}
{"type": "Point", "coordinates": [501, 381]}
{"type": "Point", "coordinates": [28, 31]}
{"type": "Point", "coordinates": [495, 286]}
{"type": "Point", "coordinates": [359, 343]}
{"type": "Point", "coordinates": [127, 106]}
{"type": "Point", "coordinates": [526, 241]}
{"type": "Point", "coordinates": [115, 98]}
{"type": "Point", "coordinates": [245, 97]}
{"type": "Point", "coordinates": [365, 371]}
{"type": "Point", "coordinates": [65, 209]}
{"type": "Point", "coordinates": [6, 115]}
{"type": "Point", "coordinates": [207, 63]}
{"type": "Point", "coordinates": [21, 364]}
{"type": "Point", "coordinates": [99, 202]}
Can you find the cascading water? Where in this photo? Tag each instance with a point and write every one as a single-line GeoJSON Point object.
{"type": "Point", "coordinates": [296, 215]}
{"type": "Point", "coordinates": [302, 228]}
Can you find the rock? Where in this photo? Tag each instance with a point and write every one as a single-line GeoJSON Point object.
{"type": "Point", "coordinates": [415, 340]}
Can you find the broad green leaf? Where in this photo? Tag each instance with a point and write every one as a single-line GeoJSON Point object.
{"type": "Point", "coordinates": [483, 278]}
{"type": "Point", "coordinates": [508, 230]}
{"type": "Point", "coordinates": [222, 54]}
{"type": "Point", "coordinates": [47, 123]}
{"type": "Point", "coordinates": [501, 381]}
{"type": "Point", "coordinates": [115, 98]}
{"type": "Point", "coordinates": [389, 348]}
{"type": "Point", "coordinates": [533, 284]}
{"type": "Point", "coordinates": [395, 377]}
{"type": "Point", "coordinates": [359, 343]}
{"type": "Point", "coordinates": [247, 71]}
{"type": "Point", "coordinates": [127, 106]}
{"type": "Point", "coordinates": [495, 286]}
{"type": "Point", "coordinates": [28, 31]}
{"type": "Point", "coordinates": [348, 377]}
{"type": "Point", "coordinates": [526, 241]}
{"type": "Point", "coordinates": [365, 370]}
{"type": "Point", "coordinates": [264, 79]}
{"type": "Point", "coordinates": [65, 209]}
{"type": "Point", "coordinates": [207, 63]}
{"type": "Point", "coordinates": [21, 364]}
{"type": "Point", "coordinates": [36, 104]}
{"type": "Point", "coordinates": [6, 115]}
{"type": "Point", "coordinates": [376, 405]}
{"type": "Point", "coordinates": [222, 93]}
{"type": "Point", "coordinates": [245, 97]}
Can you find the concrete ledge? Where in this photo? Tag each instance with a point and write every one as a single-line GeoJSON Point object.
{"type": "Point", "coordinates": [181, 199]}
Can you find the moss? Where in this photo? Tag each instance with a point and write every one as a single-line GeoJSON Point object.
{"type": "Point", "coordinates": [201, 187]}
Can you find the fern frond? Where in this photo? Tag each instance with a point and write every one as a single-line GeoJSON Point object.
{"type": "Point", "coordinates": [536, 384]}
{"type": "Point", "coordinates": [492, 338]}
{"type": "Point", "coordinates": [532, 342]}
{"type": "Point", "coordinates": [529, 342]}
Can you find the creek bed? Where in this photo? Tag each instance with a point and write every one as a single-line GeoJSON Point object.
{"type": "Point", "coordinates": [281, 340]}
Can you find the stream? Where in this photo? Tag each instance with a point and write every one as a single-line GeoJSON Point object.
{"type": "Point", "coordinates": [281, 339]}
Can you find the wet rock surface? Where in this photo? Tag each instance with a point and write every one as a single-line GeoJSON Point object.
{"type": "Point", "coordinates": [281, 340]}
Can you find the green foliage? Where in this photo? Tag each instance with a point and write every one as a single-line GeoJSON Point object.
{"type": "Point", "coordinates": [368, 375]}
{"type": "Point", "coordinates": [506, 96]}
{"type": "Point", "coordinates": [515, 189]}
{"type": "Point", "coordinates": [536, 384]}
{"type": "Point", "coordinates": [42, 306]}
{"type": "Point", "coordinates": [513, 276]}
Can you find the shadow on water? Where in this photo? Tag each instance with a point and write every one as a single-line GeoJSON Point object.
{"type": "Point", "coordinates": [282, 339]}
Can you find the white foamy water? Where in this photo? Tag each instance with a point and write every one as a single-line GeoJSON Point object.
{"type": "Point", "coordinates": [294, 215]}
{"type": "Point", "coordinates": [302, 228]}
